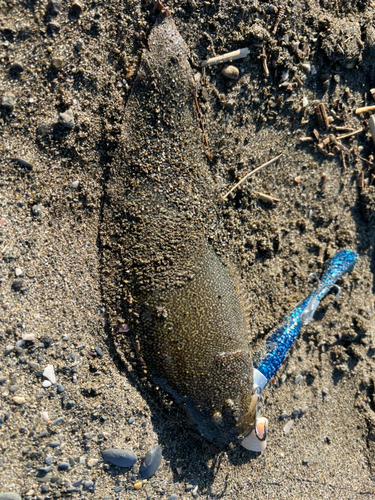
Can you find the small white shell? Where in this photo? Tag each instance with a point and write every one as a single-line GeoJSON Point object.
{"type": "Point", "coordinates": [28, 337]}
{"type": "Point", "coordinates": [288, 426]}
{"type": "Point", "coordinates": [47, 383]}
{"type": "Point", "coordinates": [251, 442]}
{"type": "Point", "coordinates": [45, 416]}
{"type": "Point", "coordinates": [49, 373]}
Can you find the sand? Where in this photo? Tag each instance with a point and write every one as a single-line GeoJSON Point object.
{"type": "Point", "coordinates": [329, 451]}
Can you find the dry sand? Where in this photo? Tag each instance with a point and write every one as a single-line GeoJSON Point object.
{"type": "Point", "coordinates": [330, 450]}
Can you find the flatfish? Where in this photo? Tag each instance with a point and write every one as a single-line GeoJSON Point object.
{"type": "Point", "coordinates": [161, 273]}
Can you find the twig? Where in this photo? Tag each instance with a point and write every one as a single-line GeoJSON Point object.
{"type": "Point", "coordinates": [365, 109]}
{"type": "Point", "coordinates": [252, 173]}
{"type": "Point", "coordinates": [349, 134]}
{"type": "Point", "coordinates": [264, 61]}
{"type": "Point", "coordinates": [266, 197]}
{"type": "Point", "coordinates": [230, 56]}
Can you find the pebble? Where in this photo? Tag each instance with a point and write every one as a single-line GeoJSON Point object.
{"type": "Point", "coordinates": [48, 459]}
{"type": "Point", "coordinates": [2, 380]}
{"type": "Point", "coordinates": [19, 400]}
{"type": "Point", "coordinates": [13, 388]}
{"type": "Point", "coordinates": [8, 101]}
{"type": "Point", "coordinates": [298, 379]}
{"type": "Point", "coordinates": [17, 284]}
{"type": "Point", "coordinates": [88, 484]}
{"type": "Point", "coordinates": [16, 67]}
{"type": "Point", "coordinates": [70, 404]}
{"type": "Point", "coordinates": [46, 384]}
{"type": "Point", "coordinates": [231, 72]}
{"type": "Point", "coordinates": [173, 497]}
{"type": "Point", "coordinates": [284, 416]}
{"type": "Point", "coordinates": [67, 119]}
{"type": "Point", "coordinates": [295, 412]}
{"type": "Point", "coordinates": [63, 466]}
{"type": "Point", "coordinates": [88, 435]}
{"type": "Point", "coordinates": [138, 485]}
{"type": "Point", "coordinates": [44, 470]}
{"type": "Point", "coordinates": [151, 463]}
{"type": "Point", "coordinates": [91, 462]}
{"type": "Point", "coordinates": [118, 489]}
{"type": "Point", "coordinates": [60, 389]}
{"type": "Point", "coordinates": [57, 64]}
{"type": "Point", "coordinates": [9, 495]}
{"type": "Point", "coordinates": [54, 444]}
{"type": "Point", "coordinates": [58, 421]}
{"type": "Point", "coordinates": [131, 420]}
{"type": "Point", "coordinates": [74, 184]}
{"type": "Point", "coordinates": [44, 488]}
{"type": "Point", "coordinates": [37, 210]}
{"type": "Point", "coordinates": [119, 457]}
{"type": "Point", "coordinates": [305, 460]}
{"type": "Point", "coordinates": [23, 163]}
{"type": "Point", "coordinates": [99, 352]}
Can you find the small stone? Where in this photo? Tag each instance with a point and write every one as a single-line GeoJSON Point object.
{"type": "Point", "coordinates": [88, 435]}
{"type": "Point", "coordinates": [70, 404]}
{"type": "Point", "coordinates": [295, 413]}
{"type": "Point", "coordinates": [131, 420]}
{"type": "Point", "coordinates": [23, 163]}
{"type": "Point", "coordinates": [16, 67]}
{"type": "Point", "coordinates": [57, 64]}
{"type": "Point", "coordinates": [189, 487]}
{"type": "Point", "coordinates": [37, 210]}
{"type": "Point", "coordinates": [8, 101]}
{"type": "Point", "coordinates": [305, 460]}
{"type": "Point", "coordinates": [88, 484]}
{"type": "Point", "coordinates": [284, 416]}
{"type": "Point", "coordinates": [19, 400]}
{"type": "Point", "coordinates": [74, 184]}
{"type": "Point", "coordinates": [44, 488]}
{"type": "Point", "coordinates": [91, 462]}
{"type": "Point", "coordinates": [2, 380]}
{"type": "Point", "coordinates": [48, 460]}
{"type": "Point", "coordinates": [288, 426]}
{"type": "Point", "coordinates": [173, 497]}
{"type": "Point", "coordinates": [44, 470]}
{"type": "Point", "coordinates": [60, 389]}
{"type": "Point", "coordinates": [17, 284]}
{"type": "Point", "coordinates": [54, 444]}
{"type": "Point", "coordinates": [118, 489]}
{"type": "Point", "coordinates": [298, 379]}
{"type": "Point", "coordinates": [99, 352]}
{"type": "Point", "coordinates": [58, 421]}
{"type": "Point", "coordinates": [71, 461]}
{"type": "Point", "coordinates": [120, 457]}
{"type": "Point", "coordinates": [67, 119]}
{"type": "Point", "coordinates": [138, 485]}
{"type": "Point", "coordinates": [13, 388]}
{"type": "Point", "coordinates": [151, 462]}
{"type": "Point", "coordinates": [8, 495]}
{"type": "Point", "coordinates": [230, 72]}
{"type": "Point", "coordinates": [76, 7]}
{"type": "Point", "coordinates": [63, 466]}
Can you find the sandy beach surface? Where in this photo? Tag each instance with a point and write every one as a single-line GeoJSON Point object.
{"type": "Point", "coordinates": [66, 73]}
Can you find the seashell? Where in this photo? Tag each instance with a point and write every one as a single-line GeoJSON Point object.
{"type": "Point", "coordinates": [28, 337]}
{"type": "Point", "coordinates": [231, 72]}
{"type": "Point", "coordinates": [288, 426]}
{"type": "Point", "coordinates": [47, 383]}
{"type": "Point", "coordinates": [49, 373]}
{"type": "Point", "coordinates": [45, 416]}
{"type": "Point", "coordinates": [251, 442]}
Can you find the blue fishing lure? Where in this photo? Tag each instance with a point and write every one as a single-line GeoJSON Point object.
{"type": "Point", "coordinates": [280, 342]}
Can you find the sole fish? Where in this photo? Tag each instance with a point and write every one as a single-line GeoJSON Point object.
{"type": "Point", "coordinates": [161, 275]}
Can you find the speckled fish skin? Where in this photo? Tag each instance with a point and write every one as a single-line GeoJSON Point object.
{"type": "Point", "coordinates": [160, 274]}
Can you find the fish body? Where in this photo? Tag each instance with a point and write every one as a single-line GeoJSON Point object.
{"type": "Point", "coordinates": [160, 239]}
